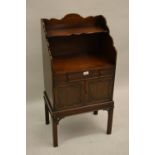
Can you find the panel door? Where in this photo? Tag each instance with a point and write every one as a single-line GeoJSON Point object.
{"type": "Point", "coordinates": [69, 96]}
{"type": "Point", "coordinates": [99, 90]}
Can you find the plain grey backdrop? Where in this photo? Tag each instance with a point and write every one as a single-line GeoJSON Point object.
{"type": "Point", "coordinates": [80, 134]}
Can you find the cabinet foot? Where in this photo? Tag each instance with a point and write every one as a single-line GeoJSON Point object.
{"type": "Point", "coordinates": [110, 119]}
{"type": "Point", "coordinates": [46, 113]}
{"type": "Point", "coordinates": [55, 132]}
{"type": "Point", "coordinates": [95, 112]}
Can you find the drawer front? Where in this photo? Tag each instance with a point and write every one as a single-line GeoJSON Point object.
{"type": "Point", "coordinates": [82, 75]}
{"type": "Point", "coordinates": [99, 90]}
{"type": "Point", "coordinates": [106, 72]}
{"type": "Point", "coordinates": [87, 74]}
{"type": "Point", "coordinates": [68, 96]}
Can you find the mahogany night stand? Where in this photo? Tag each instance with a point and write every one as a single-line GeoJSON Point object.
{"type": "Point", "coordinates": [79, 61]}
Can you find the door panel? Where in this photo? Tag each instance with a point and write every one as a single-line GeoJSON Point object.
{"type": "Point", "coordinates": [99, 90]}
{"type": "Point", "coordinates": [70, 95]}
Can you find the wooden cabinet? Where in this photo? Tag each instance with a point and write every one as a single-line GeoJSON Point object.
{"type": "Point", "coordinates": [79, 61]}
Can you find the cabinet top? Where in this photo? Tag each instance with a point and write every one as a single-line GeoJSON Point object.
{"type": "Point", "coordinates": [74, 24]}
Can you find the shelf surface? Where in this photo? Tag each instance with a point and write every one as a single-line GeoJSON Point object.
{"type": "Point", "coordinates": [74, 31]}
{"type": "Point", "coordinates": [79, 63]}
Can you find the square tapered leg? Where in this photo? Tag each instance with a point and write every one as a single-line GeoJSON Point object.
{"type": "Point", "coordinates": [95, 112]}
{"type": "Point", "coordinates": [46, 113]}
{"type": "Point", "coordinates": [55, 132]}
{"type": "Point", "coordinates": [110, 119]}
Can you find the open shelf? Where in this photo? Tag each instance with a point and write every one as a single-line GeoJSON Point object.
{"type": "Point", "coordinates": [67, 31]}
{"type": "Point", "coordinates": [80, 63]}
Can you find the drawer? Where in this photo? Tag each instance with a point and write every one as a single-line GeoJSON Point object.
{"type": "Point", "coordinates": [106, 72]}
{"type": "Point", "coordinates": [82, 75]}
{"type": "Point", "coordinates": [87, 74]}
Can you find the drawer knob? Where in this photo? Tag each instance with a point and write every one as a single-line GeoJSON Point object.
{"type": "Point", "coordinates": [86, 73]}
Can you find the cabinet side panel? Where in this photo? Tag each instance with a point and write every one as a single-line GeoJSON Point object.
{"type": "Point", "coordinates": [47, 66]}
{"type": "Point", "coordinates": [109, 49]}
